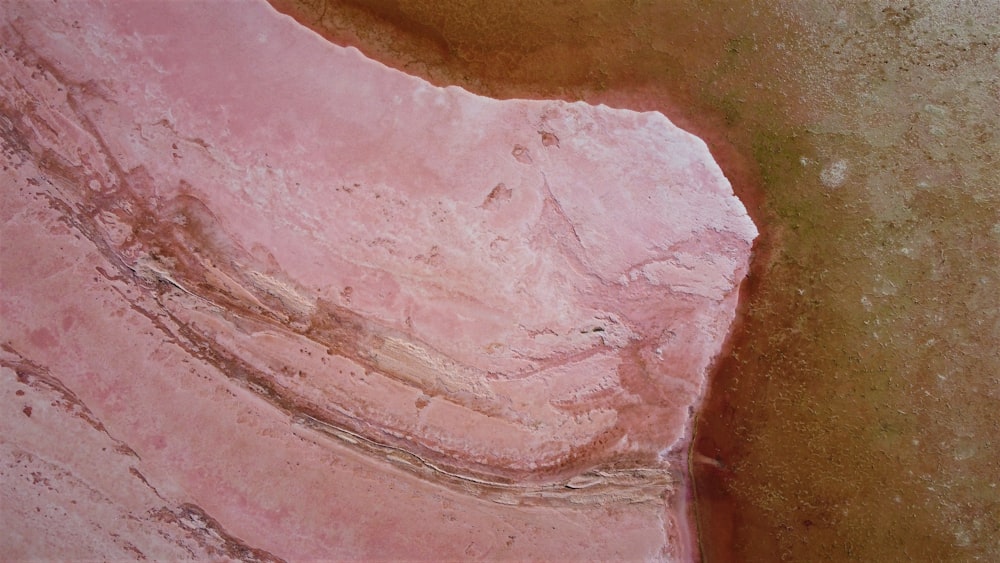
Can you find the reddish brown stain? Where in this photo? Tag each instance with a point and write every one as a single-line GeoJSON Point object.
{"type": "Point", "coordinates": [43, 338]}
{"type": "Point", "coordinates": [69, 319]}
{"type": "Point", "coordinates": [159, 442]}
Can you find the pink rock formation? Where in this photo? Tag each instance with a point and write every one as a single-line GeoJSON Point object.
{"type": "Point", "coordinates": [264, 298]}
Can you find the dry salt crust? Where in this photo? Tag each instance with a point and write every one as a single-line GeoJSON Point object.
{"type": "Point", "coordinates": [264, 298]}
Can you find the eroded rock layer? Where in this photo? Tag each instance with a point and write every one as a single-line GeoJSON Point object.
{"type": "Point", "coordinates": [296, 297]}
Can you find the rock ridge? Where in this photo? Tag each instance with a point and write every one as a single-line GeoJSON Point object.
{"type": "Point", "coordinates": [517, 300]}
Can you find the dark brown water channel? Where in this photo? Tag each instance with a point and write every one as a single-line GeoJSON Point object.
{"type": "Point", "coordinates": [857, 414]}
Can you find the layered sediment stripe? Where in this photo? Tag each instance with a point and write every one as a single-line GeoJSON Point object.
{"type": "Point", "coordinates": [515, 299]}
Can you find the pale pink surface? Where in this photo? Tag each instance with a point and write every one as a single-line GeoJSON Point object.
{"type": "Point", "coordinates": [345, 313]}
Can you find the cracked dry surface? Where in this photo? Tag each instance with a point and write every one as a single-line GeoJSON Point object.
{"type": "Point", "coordinates": [319, 308]}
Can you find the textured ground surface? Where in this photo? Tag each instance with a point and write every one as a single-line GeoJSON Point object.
{"type": "Point", "coordinates": [857, 416]}
{"type": "Point", "coordinates": [263, 297]}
